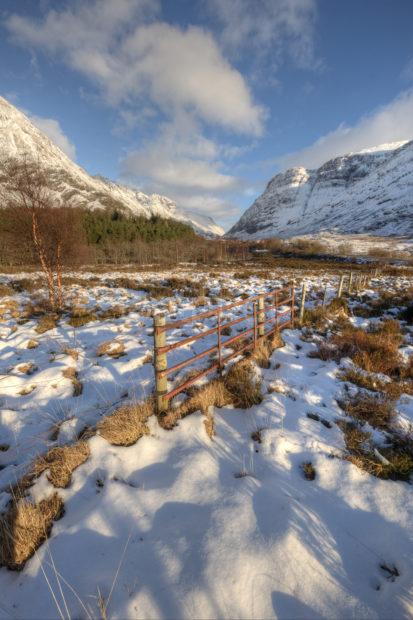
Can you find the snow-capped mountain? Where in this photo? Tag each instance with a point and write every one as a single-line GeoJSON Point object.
{"type": "Point", "coordinates": [367, 192]}
{"type": "Point", "coordinates": [19, 138]}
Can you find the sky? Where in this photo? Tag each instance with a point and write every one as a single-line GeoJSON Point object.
{"type": "Point", "coordinates": [204, 101]}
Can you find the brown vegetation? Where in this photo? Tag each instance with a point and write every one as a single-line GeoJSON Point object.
{"type": "Point", "coordinates": [60, 463]}
{"type": "Point", "coordinates": [127, 424]}
{"type": "Point", "coordinates": [24, 527]}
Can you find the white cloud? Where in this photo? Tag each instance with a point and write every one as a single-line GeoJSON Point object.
{"type": "Point", "coordinates": [268, 27]}
{"type": "Point", "coordinates": [52, 129]}
{"type": "Point", "coordinates": [183, 164]}
{"type": "Point", "coordinates": [112, 43]}
{"type": "Point", "coordinates": [390, 123]}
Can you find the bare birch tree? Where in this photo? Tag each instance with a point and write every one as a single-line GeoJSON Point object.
{"type": "Point", "coordinates": [38, 218]}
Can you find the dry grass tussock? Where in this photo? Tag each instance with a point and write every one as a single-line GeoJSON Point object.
{"type": "Point", "coordinates": [60, 463]}
{"type": "Point", "coordinates": [212, 394]}
{"type": "Point", "coordinates": [72, 374]}
{"type": "Point", "coordinates": [82, 316]}
{"type": "Point", "coordinates": [394, 462]}
{"type": "Point", "coordinates": [376, 410]}
{"type": "Point", "coordinates": [46, 323]}
{"type": "Point", "coordinates": [112, 348]}
{"type": "Point", "coordinates": [127, 424]}
{"type": "Point", "coordinates": [209, 423]}
{"type": "Point", "coordinates": [32, 344]}
{"type": "Point", "coordinates": [393, 388]}
{"type": "Point", "coordinates": [375, 351]}
{"type": "Point", "coordinates": [317, 317]}
{"type": "Point", "coordinates": [24, 527]}
{"type": "Point", "coordinates": [243, 384]}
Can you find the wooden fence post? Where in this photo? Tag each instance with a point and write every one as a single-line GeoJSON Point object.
{"type": "Point", "coordinates": [292, 303]}
{"type": "Point", "coordinates": [350, 282]}
{"type": "Point", "coordinates": [261, 315]}
{"type": "Point", "coordinates": [325, 296]}
{"type": "Point", "coordinates": [254, 311]}
{"type": "Point", "coordinates": [161, 382]}
{"type": "Point", "coordinates": [340, 286]}
{"type": "Point", "coordinates": [302, 302]}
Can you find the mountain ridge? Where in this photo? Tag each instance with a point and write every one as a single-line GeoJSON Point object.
{"type": "Point", "coordinates": [370, 191]}
{"type": "Point", "coordinates": [19, 137]}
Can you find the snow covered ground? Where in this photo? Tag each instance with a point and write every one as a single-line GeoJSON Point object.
{"type": "Point", "coordinates": [182, 526]}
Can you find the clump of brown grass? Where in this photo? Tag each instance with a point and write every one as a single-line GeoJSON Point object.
{"type": "Point", "coordinates": [376, 410]}
{"type": "Point", "coordinates": [209, 422]}
{"type": "Point", "coordinates": [394, 388]}
{"type": "Point", "coordinates": [114, 312]}
{"type": "Point", "coordinates": [315, 317]}
{"type": "Point", "coordinates": [375, 351]}
{"type": "Point", "coordinates": [61, 462]}
{"type": "Point", "coordinates": [27, 390]}
{"type": "Point", "coordinates": [24, 527]}
{"type": "Point", "coordinates": [73, 353]}
{"type": "Point", "coordinates": [32, 344]}
{"type": "Point", "coordinates": [113, 348]}
{"type": "Point", "coordinates": [308, 470]}
{"type": "Point", "coordinates": [390, 463]}
{"type": "Point", "coordinates": [82, 316]}
{"type": "Point", "coordinates": [127, 424]}
{"type": "Point", "coordinates": [213, 394]}
{"type": "Point", "coordinates": [46, 323]}
{"type": "Point", "coordinates": [72, 374]}
{"type": "Point", "coordinates": [262, 353]}
{"type": "Point", "coordinates": [6, 290]}
{"type": "Point", "coordinates": [226, 330]}
{"type": "Point", "coordinates": [241, 381]}
{"type": "Point", "coordinates": [27, 369]}
{"type": "Point", "coordinates": [200, 301]}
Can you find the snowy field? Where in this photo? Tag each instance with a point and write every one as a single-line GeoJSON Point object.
{"type": "Point", "coordinates": [180, 525]}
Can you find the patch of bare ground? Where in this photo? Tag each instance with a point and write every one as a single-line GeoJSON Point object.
{"type": "Point", "coordinates": [60, 463]}
{"type": "Point", "coordinates": [127, 424]}
{"type": "Point", "coordinates": [24, 527]}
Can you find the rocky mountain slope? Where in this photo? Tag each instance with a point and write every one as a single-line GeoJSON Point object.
{"type": "Point", "coordinates": [367, 192]}
{"type": "Point", "coordinates": [19, 138]}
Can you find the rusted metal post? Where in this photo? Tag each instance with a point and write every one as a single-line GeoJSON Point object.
{"type": "Point", "coordinates": [340, 286]}
{"type": "Point", "coordinates": [276, 310]}
{"type": "Point", "coordinates": [160, 362]}
{"type": "Point", "coordinates": [302, 302]}
{"type": "Point", "coordinates": [254, 311]}
{"type": "Point", "coordinates": [261, 315]}
{"type": "Point", "coordinates": [219, 344]}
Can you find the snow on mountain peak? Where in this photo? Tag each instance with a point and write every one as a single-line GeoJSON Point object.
{"type": "Point", "coordinates": [366, 192]}
{"type": "Point", "coordinates": [19, 138]}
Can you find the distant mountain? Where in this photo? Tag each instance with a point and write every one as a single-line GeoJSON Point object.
{"type": "Point", "coordinates": [20, 138]}
{"type": "Point", "coordinates": [367, 192]}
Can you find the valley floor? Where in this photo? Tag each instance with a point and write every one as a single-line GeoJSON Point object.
{"type": "Point", "coordinates": [180, 525]}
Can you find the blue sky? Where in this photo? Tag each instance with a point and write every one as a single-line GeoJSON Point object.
{"type": "Point", "coordinates": [205, 100]}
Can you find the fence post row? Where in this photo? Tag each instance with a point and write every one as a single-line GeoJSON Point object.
{"type": "Point", "coordinates": [160, 363]}
{"type": "Point", "coordinates": [258, 331]}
